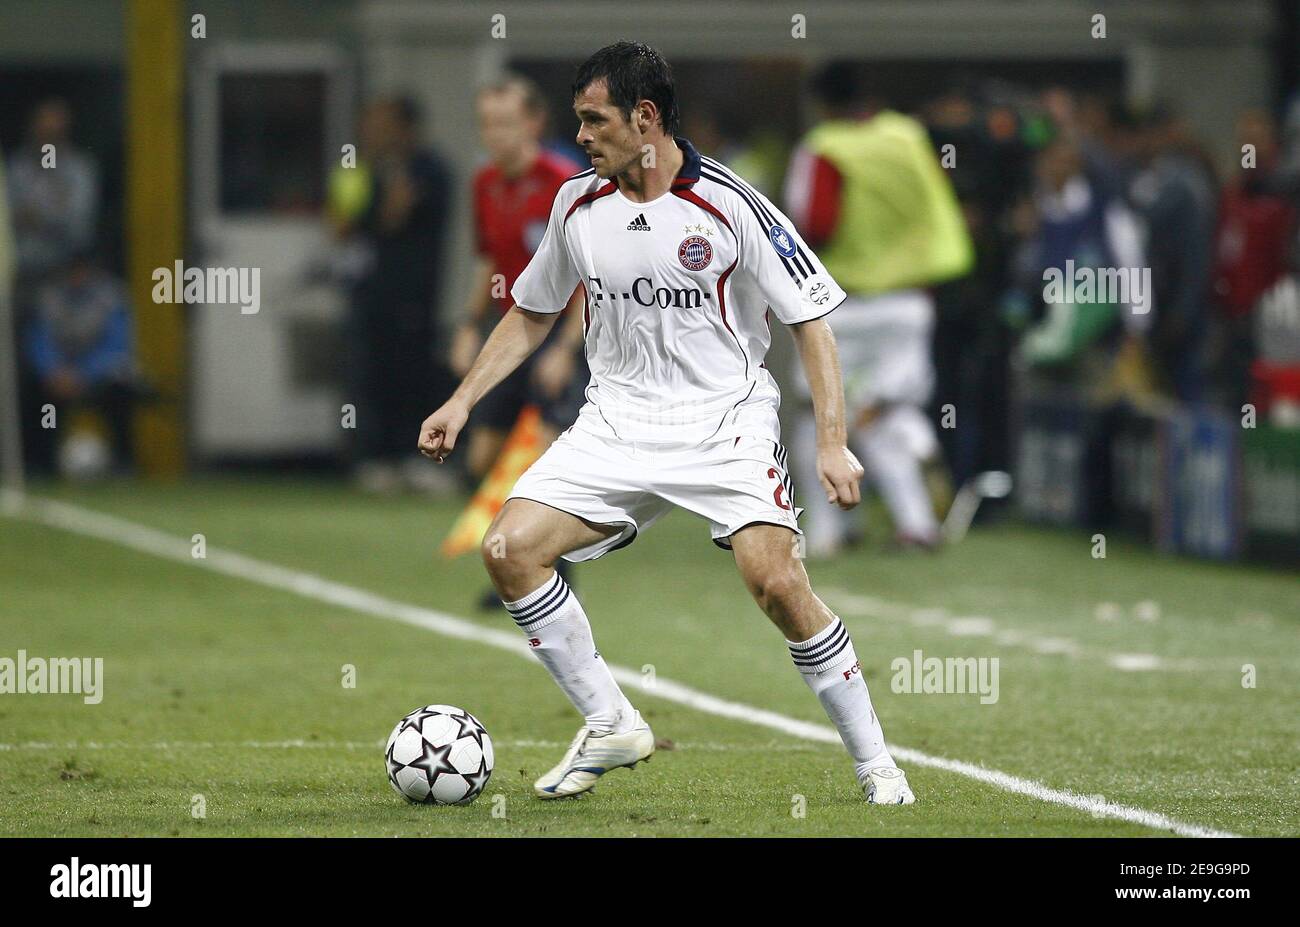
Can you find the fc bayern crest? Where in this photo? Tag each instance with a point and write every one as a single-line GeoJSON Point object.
{"type": "Point", "coordinates": [695, 253]}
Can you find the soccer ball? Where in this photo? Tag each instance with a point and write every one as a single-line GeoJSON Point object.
{"type": "Point", "coordinates": [439, 755]}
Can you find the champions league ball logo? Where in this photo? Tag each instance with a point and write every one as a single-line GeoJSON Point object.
{"type": "Point", "coordinates": [782, 241]}
{"type": "Point", "coordinates": [695, 253]}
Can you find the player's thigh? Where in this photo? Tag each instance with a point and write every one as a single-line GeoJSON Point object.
{"type": "Point", "coordinates": [539, 532]}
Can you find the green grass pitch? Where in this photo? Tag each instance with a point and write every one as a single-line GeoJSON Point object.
{"type": "Point", "coordinates": [225, 694]}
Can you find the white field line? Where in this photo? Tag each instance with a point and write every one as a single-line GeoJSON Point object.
{"type": "Point", "coordinates": [138, 537]}
{"type": "Point", "coordinates": [73, 747]}
{"type": "Point", "coordinates": [979, 626]}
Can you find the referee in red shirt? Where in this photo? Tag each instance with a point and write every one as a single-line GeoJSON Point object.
{"type": "Point", "coordinates": [513, 193]}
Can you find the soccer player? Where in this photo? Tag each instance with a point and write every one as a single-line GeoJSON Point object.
{"type": "Point", "coordinates": [681, 261]}
{"type": "Point", "coordinates": [869, 193]}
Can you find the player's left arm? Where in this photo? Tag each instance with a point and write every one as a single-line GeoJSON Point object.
{"type": "Point", "coordinates": [800, 292]}
{"type": "Point", "coordinates": [838, 469]}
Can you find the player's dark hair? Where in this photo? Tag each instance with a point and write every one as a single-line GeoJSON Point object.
{"type": "Point", "coordinates": [633, 71]}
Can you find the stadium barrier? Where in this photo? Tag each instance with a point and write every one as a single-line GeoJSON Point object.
{"type": "Point", "coordinates": [1187, 479]}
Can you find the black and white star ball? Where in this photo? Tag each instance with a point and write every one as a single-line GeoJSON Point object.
{"type": "Point", "coordinates": [439, 755]}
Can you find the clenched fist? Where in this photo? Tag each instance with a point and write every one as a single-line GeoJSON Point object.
{"type": "Point", "coordinates": [840, 473]}
{"type": "Point", "coordinates": [439, 432]}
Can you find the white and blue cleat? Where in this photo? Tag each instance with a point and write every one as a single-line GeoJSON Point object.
{"type": "Point", "coordinates": [591, 755]}
{"type": "Point", "coordinates": [887, 785]}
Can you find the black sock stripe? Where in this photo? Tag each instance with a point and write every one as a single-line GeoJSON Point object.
{"type": "Point", "coordinates": [825, 658]}
{"type": "Point", "coordinates": [553, 601]}
{"type": "Point", "coordinates": [527, 611]}
{"type": "Point", "coordinates": [524, 625]}
{"type": "Point", "coordinates": [549, 588]}
{"type": "Point", "coordinates": [838, 640]}
{"type": "Point", "coordinates": [542, 608]}
{"type": "Point", "coordinates": [827, 648]}
{"type": "Point", "coordinates": [803, 649]}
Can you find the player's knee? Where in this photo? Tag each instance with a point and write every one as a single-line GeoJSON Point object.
{"type": "Point", "coordinates": [778, 591]}
{"type": "Point", "coordinates": [505, 547]}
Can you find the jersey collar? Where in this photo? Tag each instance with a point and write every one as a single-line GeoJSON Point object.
{"type": "Point", "coordinates": [690, 172]}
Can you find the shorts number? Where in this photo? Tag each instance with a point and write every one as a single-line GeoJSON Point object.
{"type": "Point", "coordinates": [777, 493]}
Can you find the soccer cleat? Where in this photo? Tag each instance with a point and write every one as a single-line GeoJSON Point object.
{"type": "Point", "coordinates": [592, 755]}
{"type": "Point", "coordinates": [887, 785]}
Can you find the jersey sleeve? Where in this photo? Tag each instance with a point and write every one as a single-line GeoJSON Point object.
{"type": "Point", "coordinates": [550, 277]}
{"type": "Point", "coordinates": [782, 267]}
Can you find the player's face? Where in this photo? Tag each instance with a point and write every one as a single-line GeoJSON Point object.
{"type": "Point", "coordinates": [606, 134]}
{"type": "Point", "coordinates": [505, 126]}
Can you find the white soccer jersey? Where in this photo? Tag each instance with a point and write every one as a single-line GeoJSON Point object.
{"type": "Point", "coordinates": [678, 292]}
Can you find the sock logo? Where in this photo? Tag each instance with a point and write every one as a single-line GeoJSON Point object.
{"type": "Point", "coordinates": [534, 642]}
{"type": "Point", "coordinates": [853, 670]}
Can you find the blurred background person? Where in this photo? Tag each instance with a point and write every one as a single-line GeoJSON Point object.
{"type": "Point", "coordinates": [59, 320]}
{"type": "Point", "coordinates": [512, 202]}
{"type": "Point", "coordinates": [1105, 129]}
{"type": "Point", "coordinates": [53, 196]}
{"type": "Point", "coordinates": [1253, 247]}
{"type": "Point", "coordinates": [1174, 193]}
{"type": "Point", "coordinates": [868, 192]}
{"type": "Point", "coordinates": [392, 328]}
{"type": "Point", "coordinates": [1072, 224]}
{"type": "Point", "coordinates": [79, 364]}
{"type": "Point", "coordinates": [512, 195]}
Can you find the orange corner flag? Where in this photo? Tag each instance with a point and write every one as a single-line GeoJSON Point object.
{"type": "Point", "coordinates": [522, 447]}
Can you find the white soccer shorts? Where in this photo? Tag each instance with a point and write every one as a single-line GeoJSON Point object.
{"type": "Point", "coordinates": [734, 481]}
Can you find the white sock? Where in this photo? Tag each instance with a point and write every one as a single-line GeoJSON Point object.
{"type": "Point", "coordinates": [829, 665]}
{"type": "Point", "coordinates": [896, 473]}
{"type": "Point", "coordinates": [559, 633]}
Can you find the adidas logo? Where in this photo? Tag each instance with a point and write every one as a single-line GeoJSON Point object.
{"type": "Point", "coordinates": [639, 224]}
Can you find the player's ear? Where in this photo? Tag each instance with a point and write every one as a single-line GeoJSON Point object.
{"type": "Point", "coordinates": [644, 115]}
